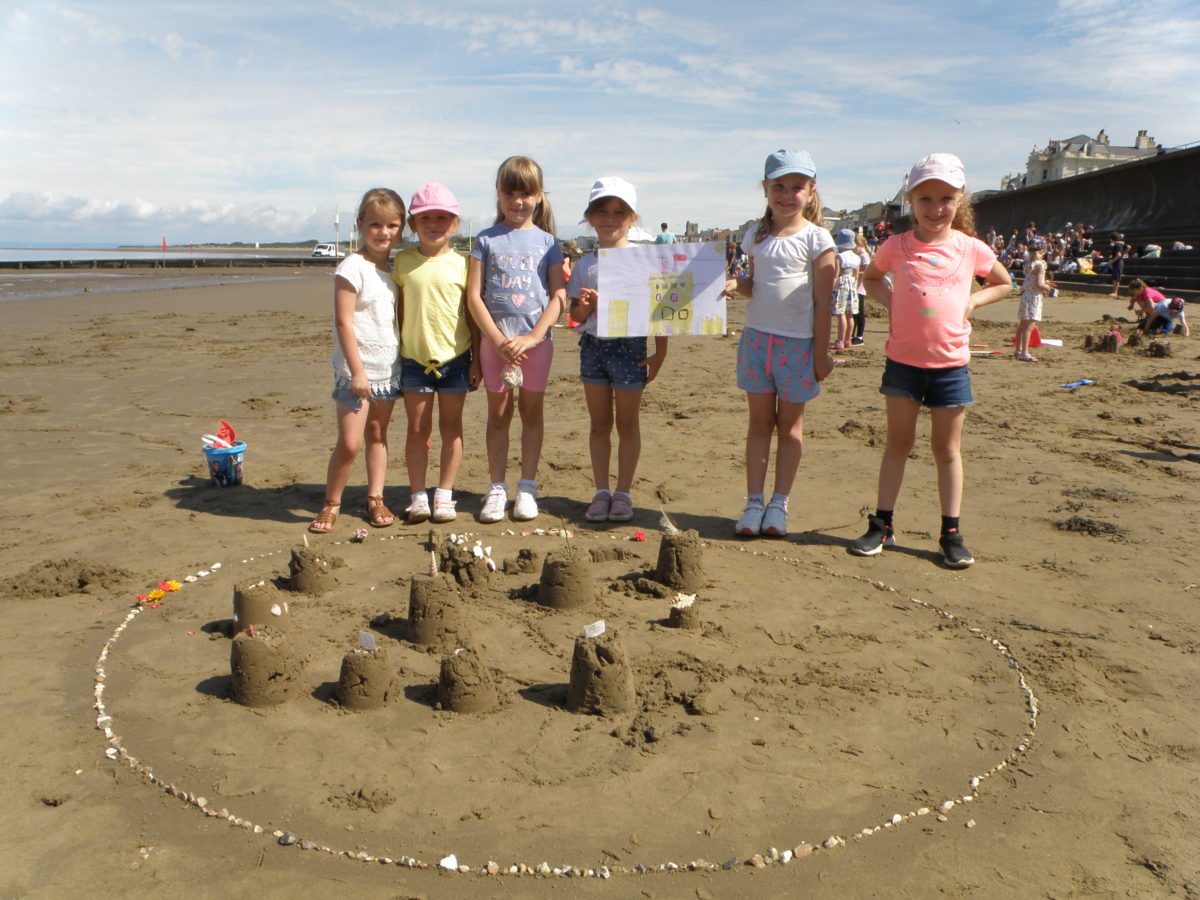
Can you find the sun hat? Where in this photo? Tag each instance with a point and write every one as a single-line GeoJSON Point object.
{"type": "Point", "coordinates": [433, 196]}
{"type": "Point", "coordinates": [789, 162]}
{"type": "Point", "coordinates": [844, 239]}
{"type": "Point", "coordinates": [611, 186]}
{"type": "Point", "coordinates": [940, 166]}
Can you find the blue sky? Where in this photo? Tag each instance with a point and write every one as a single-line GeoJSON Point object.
{"type": "Point", "coordinates": [124, 121]}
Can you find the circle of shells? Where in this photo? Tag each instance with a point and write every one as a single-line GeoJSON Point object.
{"type": "Point", "coordinates": [117, 751]}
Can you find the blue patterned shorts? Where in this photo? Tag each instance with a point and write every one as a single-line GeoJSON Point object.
{"type": "Point", "coordinates": [771, 364]}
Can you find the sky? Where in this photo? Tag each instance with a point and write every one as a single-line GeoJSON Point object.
{"type": "Point", "coordinates": [123, 122]}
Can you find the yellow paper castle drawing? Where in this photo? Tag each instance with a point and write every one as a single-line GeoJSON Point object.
{"type": "Point", "coordinates": [618, 318]}
{"type": "Point", "coordinates": [671, 303]}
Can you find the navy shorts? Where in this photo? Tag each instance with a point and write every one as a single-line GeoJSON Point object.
{"type": "Point", "coordinates": [612, 362]}
{"type": "Point", "coordinates": [935, 388]}
{"type": "Point", "coordinates": [452, 378]}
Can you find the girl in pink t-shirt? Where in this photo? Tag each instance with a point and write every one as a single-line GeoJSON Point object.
{"type": "Point", "coordinates": [929, 307]}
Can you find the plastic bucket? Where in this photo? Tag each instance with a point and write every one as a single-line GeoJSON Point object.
{"type": "Point", "coordinates": [225, 464]}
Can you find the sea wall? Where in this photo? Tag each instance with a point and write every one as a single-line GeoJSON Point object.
{"type": "Point", "coordinates": [1159, 195]}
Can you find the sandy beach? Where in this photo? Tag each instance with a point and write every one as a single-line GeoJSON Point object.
{"type": "Point", "coordinates": [1022, 728]}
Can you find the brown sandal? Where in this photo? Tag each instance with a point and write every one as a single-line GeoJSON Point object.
{"type": "Point", "coordinates": [327, 517]}
{"type": "Point", "coordinates": [376, 511]}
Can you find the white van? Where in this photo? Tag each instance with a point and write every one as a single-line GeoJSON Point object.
{"type": "Point", "coordinates": [328, 250]}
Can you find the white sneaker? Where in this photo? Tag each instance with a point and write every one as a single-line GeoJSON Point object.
{"type": "Point", "coordinates": [774, 520]}
{"type": "Point", "coordinates": [752, 518]}
{"type": "Point", "coordinates": [443, 510]}
{"type": "Point", "coordinates": [525, 506]}
{"type": "Point", "coordinates": [494, 503]}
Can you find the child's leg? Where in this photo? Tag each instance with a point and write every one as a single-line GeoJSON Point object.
{"type": "Point", "coordinates": [351, 425]}
{"type": "Point", "coordinates": [450, 429]}
{"type": "Point", "coordinates": [530, 405]}
{"type": "Point", "coordinates": [789, 423]}
{"type": "Point", "coordinates": [1024, 330]}
{"type": "Point", "coordinates": [379, 414]}
{"type": "Point", "coordinates": [946, 441]}
{"type": "Point", "coordinates": [499, 418]}
{"type": "Point", "coordinates": [599, 399]}
{"type": "Point", "coordinates": [901, 434]}
{"type": "Point", "coordinates": [419, 409]}
{"type": "Point", "coordinates": [629, 433]}
{"type": "Point", "coordinates": [761, 428]}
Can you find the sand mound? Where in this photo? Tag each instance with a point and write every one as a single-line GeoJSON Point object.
{"type": "Point", "coordinates": [63, 577]}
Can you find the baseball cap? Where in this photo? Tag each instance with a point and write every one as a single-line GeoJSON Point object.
{"type": "Point", "coordinates": [789, 162]}
{"type": "Point", "coordinates": [844, 239]}
{"type": "Point", "coordinates": [1176, 305]}
{"type": "Point", "coordinates": [611, 186]}
{"type": "Point", "coordinates": [433, 196]}
{"type": "Point", "coordinates": [940, 166]}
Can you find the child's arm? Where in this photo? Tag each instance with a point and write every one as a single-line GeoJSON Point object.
{"type": "Point", "coordinates": [479, 312]}
{"type": "Point", "coordinates": [1042, 286]}
{"type": "Point", "coordinates": [999, 287]}
{"type": "Point", "coordinates": [344, 298]}
{"type": "Point", "coordinates": [822, 280]}
{"type": "Point", "coordinates": [475, 372]}
{"type": "Point", "coordinates": [1183, 329]}
{"type": "Point", "coordinates": [518, 346]}
{"type": "Point", "coordinates": [654, 363]}
{"type": "Point", "coordinates": [877, 289]}
{"type": "Point", "coordinates": [584, 305]}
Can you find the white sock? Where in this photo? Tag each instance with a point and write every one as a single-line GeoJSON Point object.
{"type": "Point", "coordinates": [526, 484]}
{"type": "Point", "coordinates": [780, 499]}
{"type": "Point", "coordinates": [443, 494]}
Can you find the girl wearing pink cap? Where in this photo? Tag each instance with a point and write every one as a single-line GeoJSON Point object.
{"type": "Point", "coordinates": [929, 306]}
{"type": "Point", "coordinates": [439, 348]}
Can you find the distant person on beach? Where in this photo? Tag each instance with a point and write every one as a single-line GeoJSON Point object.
{"type": "Point", "coordinates": [615, 370]}
{"type": "Point", "coordinates": [783, 354]}
{"type": "Point", "coordinates": [1116, 264]}
{"type": "Point", "coordinates": [929, 307]}
{"type": "Point", "coordinates": [516, 292]}
{"type": "Point", "coordinates": [664, 235]}
{"type": "Point", "coordinates": [860, 317]}
{"type": "Point", "coordinates": [1168, 316]}
{"type": "Point", "coordinates": [845, 288]}
{"type": "Point", "coordinates": [439, 348]}
{"type": "Point", "coordinates": [1034, 288]}
{"type": "Point", "coordinates": [366, 364]}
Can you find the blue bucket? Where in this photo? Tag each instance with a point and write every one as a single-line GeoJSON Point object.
{"type": "Point", "coordinates": [225, 464]}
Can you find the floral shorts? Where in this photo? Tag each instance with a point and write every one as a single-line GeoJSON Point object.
{"type": "Point", "coordinates": [771, 364]}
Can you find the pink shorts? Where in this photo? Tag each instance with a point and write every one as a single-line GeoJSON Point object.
{"type": "Point", "coordinates": [535, 370]}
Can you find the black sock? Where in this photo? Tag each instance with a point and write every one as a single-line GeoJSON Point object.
{"type": "Point", "coordinates": [886, 515]}
{"type": "Point", "coordinates": [949, 523]}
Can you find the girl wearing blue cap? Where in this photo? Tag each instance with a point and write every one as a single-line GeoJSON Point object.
{"type": "Point", "coordinates": [783, 354]}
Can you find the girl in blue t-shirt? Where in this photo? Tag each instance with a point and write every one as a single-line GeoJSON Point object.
{"type": "Point", "coordinates": [516, 292]}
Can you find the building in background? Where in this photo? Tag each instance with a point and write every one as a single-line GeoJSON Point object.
{"type": "Point", "coordinates": [1078, 156]}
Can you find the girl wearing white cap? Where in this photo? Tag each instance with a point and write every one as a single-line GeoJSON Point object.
{"type": "Point", "coordinates": [783, 353]}
{"type": "Point", "coordinates": [614, 371]}
{"type": "Point", "coordinates": [929, 306]}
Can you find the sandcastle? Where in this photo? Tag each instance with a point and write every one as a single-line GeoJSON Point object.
{"type": "Point", "coordinates": [679, 561]}
{"type": "Point", "coordinates": [434, 618]}
{"type": "Point", "coordinates": [465, 685]}
{"type": "Point", "coordinates": [601, 680]}
{"type": "Point", "coordinates": [366, 680]}
{"type": "Point", "coordinates": [684, 613]}
{"type": "Point", "coordinates": [264, 667]}
{"type": "Point", "coordinates": [566, 580]}
{"type": "Point", "coordinates": [259, 604]}
{"type": "Point", "coordinates": [311, 572]}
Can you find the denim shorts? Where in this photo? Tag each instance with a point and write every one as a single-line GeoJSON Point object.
{"type": "Point", "coordinates": [612, 362]}
{"type": "Point", "coordinates": [347, 398]}
{"type": "Point", "coordinates": [935, 388]}
{"type": "Point", "coordinates": [452, 378]}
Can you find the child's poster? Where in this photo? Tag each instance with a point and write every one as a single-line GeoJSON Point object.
{"type": "Point", "coordinates": [661, 290]}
